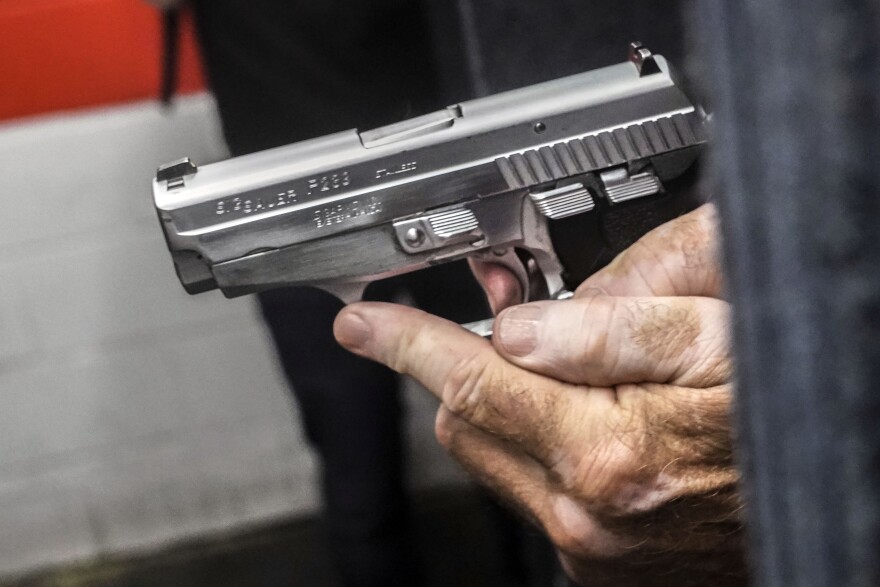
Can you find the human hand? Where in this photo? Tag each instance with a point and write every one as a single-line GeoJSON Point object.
{"type": "Point", "coordinates": [604, 419]}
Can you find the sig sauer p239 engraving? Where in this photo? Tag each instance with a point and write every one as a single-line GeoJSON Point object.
{"type": "Point", "coordinates": [550, 180]}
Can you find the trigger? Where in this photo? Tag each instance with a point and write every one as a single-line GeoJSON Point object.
{"type": "Point", "coordinates": [509, 259]}
{"type": "Point", "coordinates": [348, 292]}
{"type": "Point", "coordinates": [531, 282]}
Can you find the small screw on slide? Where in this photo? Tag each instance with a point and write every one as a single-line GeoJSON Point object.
{"type": "Point", "coordinates": [415, 237]}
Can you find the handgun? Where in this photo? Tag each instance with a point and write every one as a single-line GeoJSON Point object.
{"type": "Point", "coordinates": [551, 181]}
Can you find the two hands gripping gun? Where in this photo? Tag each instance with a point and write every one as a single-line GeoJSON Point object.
{"type": "Point", "coordinates": [603, 418]}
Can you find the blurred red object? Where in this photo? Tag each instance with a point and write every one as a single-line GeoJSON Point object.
{"type": "Point", "coordinates": [70, 54]}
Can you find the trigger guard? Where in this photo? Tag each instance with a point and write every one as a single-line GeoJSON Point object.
{"type": "Point", "coordinates": [510, 261]}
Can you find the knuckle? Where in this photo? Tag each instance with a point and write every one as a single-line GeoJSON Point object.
{"type": "Point", "coordinates": [575, 532]}
{"type": "Point", "coordinates": [698, 427]}
{"type": "Point", "coordinates": [605, 470]}
{"type": "Point", "coordinates": [445, 429]}
{"type": "Point", "coordinates": [707, 214]}
{"type": "Point", "coordinates": [694, 233]}
{"type": "Point", "coordinates": [650, 264]}
{"type": "Point", "coordinates": [565, 540]}
{"type": "Point", "coordinates": [595, 324]}
{"type": "Point", "coordinates": [714, 369]}
{"type": "Point", "coordinates": [686, 243]}
{"type": "Point", "coordinates": [594, 334]}
{"type": "Point", "coordinates": [618, 469]}
{"type": "Point", "coordinates": [462, 391]}
{"type": "Point", "coordinates": [400, 356]}
{"type": "Point", "coordinates": [669, 446]}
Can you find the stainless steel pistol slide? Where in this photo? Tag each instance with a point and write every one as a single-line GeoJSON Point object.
{"type": "Point", "coordinates": [550, 180]}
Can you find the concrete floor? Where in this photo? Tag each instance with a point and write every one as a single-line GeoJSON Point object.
{"type": "Point", "coordinates": [456, 538]}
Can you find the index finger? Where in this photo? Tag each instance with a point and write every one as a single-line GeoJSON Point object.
{"type": "Point", "coordinates": [472, 380]}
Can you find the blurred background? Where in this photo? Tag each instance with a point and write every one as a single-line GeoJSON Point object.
{"type": "Point", "coordinates": [142, 432]}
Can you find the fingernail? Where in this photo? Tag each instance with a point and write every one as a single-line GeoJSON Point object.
{"type": "Point", "coordinates": [352, 331]}
{"type": "Point", "coordinates": [518, 329]}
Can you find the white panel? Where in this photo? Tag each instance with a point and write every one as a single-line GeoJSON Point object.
{"type": "Point", "coordinates": [226, 477]}
{"type": "Point", "coordinates": [72, 175]}
{"type": "Point", "coordinates": [17, 339]}
{"type": "Point", "coordinates": [94, 401]}
{"type": "Point", "coordinates": [231, 376]}
{"type": "Point", "coordinates": [116, 291]}
{"type": "Point", "coordinates": [42, 519]}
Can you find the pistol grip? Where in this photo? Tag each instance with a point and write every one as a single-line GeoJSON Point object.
{"type": "Point", "coordinates": [588, 242]}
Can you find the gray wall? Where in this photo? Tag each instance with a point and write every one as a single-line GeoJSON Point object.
{"type": "Point", "coordinates": [132, 415]}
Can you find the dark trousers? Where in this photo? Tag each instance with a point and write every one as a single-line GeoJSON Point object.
{"type": "Point", "coordinates": [352, 413]}
{"type": "Point", "coordinates": [286, 70]}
